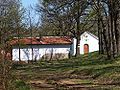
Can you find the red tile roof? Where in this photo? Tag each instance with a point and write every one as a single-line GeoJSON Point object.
{"type": "Point", "coordinates": [44, 40]}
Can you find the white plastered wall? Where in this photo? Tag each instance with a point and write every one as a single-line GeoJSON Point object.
{"type": "Point", "coordinates": [90, 40]}
{"type": "Point", "coordinates": [38, 51]}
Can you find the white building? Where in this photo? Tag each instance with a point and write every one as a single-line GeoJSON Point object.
{"type": "Point", "coordinates": [88, 43]}
{"type": "Point", "coordinates": [54, 47]}
{"type": "Point", "coordinates": [41, 48]}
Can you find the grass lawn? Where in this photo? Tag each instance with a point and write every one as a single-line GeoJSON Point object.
{"type": "Point", "coordinates": [86, 72]}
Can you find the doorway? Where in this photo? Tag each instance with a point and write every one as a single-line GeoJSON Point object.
{"type": "Point", "coordinates": [86, 48]}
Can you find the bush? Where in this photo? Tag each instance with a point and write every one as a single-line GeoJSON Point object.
{"type": "Point", "coordinates": [21, 85]}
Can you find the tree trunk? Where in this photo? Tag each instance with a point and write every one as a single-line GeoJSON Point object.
{"type": "Point", "coordinates": [78, 29]}
{"type": "Point", "coordinates": [112, 33]}
{"type": "Point", "coordinates": [77, 47]}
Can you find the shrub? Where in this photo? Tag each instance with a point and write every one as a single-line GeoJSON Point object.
{"type": "Point", "coordinates": [21, 85]}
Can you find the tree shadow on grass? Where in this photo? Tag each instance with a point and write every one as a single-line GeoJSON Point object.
{"type": "Point", "coordinates": [107, 70]}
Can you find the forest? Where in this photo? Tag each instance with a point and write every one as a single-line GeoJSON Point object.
{"type": "Point", "coordinates": [59, 18]}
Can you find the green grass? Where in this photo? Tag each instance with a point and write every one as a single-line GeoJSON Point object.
{"type": "Point", "coordinates": [92, 69]}
{"type": "Point", "coordinates": [21, 85]}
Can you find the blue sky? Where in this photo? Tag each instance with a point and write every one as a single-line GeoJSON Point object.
{"type": "Point", "coordinates": [27, 3]}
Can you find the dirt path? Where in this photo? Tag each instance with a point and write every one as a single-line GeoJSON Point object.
{"type": "Point", "coordinates": [68, 85]}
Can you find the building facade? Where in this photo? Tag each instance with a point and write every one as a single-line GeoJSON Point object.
{"type": "Point", "coordinates": [52, 47]}
{"type": "Point", "coordinates": [41, 48]}
{"type": "Point", "coordinates": [88, 43]}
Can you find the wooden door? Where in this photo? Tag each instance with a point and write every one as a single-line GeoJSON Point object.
{"type": "Point", "coordinates": [86, 48]}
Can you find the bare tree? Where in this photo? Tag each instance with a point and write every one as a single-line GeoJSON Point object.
{"type": "Point", "coordinates": [108, 13]}
{"type": "Point", "coordinates": [8, 12]}
{"type": "Point", "coordinates": [65, 17]}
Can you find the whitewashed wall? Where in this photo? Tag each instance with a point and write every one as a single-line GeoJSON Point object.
{"type": "Point", "coordinates": [93, 43]}
{"type": "Point", "coordinates": [38, 51]}
{"type": "Point", "coordinates": [90, 40]}
{"type": "Point", "coordinates": [73, 49]}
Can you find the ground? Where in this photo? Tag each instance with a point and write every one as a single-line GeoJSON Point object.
{"type": "Point", "coordinates": [86, 72]}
